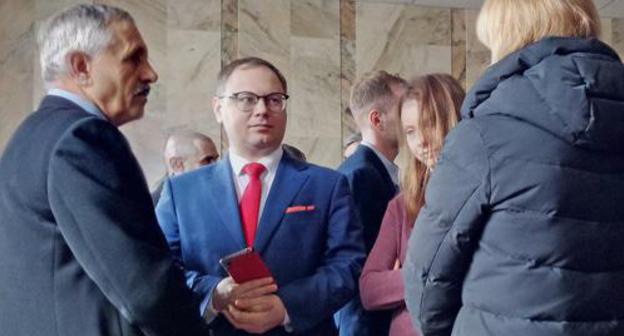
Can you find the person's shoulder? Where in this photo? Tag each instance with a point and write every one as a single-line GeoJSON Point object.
{"type": "Point", "coordinates": [358, 166]}
{"type": "Point", "coordinates": [95, 132]}
{"type": "Point", "coordinates": [207, 172]}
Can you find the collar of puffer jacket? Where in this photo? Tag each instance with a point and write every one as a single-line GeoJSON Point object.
{"type": "Point", "coordinates": [571, 87]}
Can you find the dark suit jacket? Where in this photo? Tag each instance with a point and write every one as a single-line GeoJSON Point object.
{"type": "Point", "coordinates": [315, 255]}
{"type": "Point", "coordinates": [81, 251]}
{"type": "Point", "coordinates": [372, 190]}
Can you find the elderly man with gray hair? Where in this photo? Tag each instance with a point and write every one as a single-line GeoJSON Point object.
{"type": "Point", "coordinates": [82, 253]}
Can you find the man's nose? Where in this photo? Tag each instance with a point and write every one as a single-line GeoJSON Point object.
{"type": "Point", "coordinates": [150, 74]}
{"type": "Point", "coordinates": [261, 107]}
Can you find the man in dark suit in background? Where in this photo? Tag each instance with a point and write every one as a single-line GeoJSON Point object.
{"type": "Point", "coordinates": [373, 178]}
{"type": "Point", "coordinates": [185, 151]}
{"type": "Point", "coordinates": [81, 251]}
{"type": "Point", "coordinates": [297, 216]}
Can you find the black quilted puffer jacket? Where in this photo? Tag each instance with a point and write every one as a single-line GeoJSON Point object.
{"type": "Point", "coordinates": [523, 229]}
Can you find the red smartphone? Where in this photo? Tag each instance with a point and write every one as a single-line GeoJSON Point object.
{"type": "Point", "coordinates": [245, 265]}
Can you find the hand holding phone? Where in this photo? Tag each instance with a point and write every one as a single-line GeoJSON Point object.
{"type": "Point", "coordinates": [228, 292]}
{"type": "Point", "coordinates": [245, 265]}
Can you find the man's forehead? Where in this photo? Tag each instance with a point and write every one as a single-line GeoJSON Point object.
{"type": "Point", "coordinates": [206, 146]}
{"type": "Point", "coordinates": [126, 36]}
{"type": "Point", "coordinates": [246, 75]}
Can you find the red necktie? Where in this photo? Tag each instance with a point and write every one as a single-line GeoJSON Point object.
{"type": "Point", "coordinates": [250, 202]}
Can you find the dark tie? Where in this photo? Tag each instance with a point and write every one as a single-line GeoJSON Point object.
{"type": "Point", "coordinates": [250, 202]}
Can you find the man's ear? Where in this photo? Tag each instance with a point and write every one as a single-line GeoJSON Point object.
{"type": "Point", "coordinates": [176, 164]}
{"type": "Point", "coordinates": [374, 118]}
{"type": "Point", "coordinates": [217, 107]}
{"type": "Point", "coordinates": [80, 68]}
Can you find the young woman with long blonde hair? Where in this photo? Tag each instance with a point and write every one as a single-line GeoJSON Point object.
{"type": "Point", "coordinates": [428, 112]}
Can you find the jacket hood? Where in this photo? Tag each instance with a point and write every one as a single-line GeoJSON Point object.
{"type": "Point", "coordinates": [571, 87]}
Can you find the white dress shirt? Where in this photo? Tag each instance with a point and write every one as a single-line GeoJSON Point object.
{"type": "Point", "coordinates": [270, 162]}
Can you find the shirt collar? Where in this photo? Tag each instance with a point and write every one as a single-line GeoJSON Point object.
{"type": "Point", "coordinates": [391, 168]}
{"type": "Point", "coordinates": [78, 100]}
{"type": "Point", "coordinates": [270, 162]}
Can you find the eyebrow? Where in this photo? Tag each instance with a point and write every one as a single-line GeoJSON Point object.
{"type": "Point", "coordinates": [135, 51]}
{"type": "Point", "coordinates": [209, 157]}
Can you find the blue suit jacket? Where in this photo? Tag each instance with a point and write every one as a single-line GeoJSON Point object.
{"type": "Point", "coordinates": [372, 189]}
{"type": "Point", "coordinates": [315, 256]}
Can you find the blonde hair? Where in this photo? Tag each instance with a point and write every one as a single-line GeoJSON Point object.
{"type": "Point", "coordinates": [505, 26]}
{"type": "Point", "coordinates": [439, 98]}
{"type": "Point", "coordinates": [374, 89]}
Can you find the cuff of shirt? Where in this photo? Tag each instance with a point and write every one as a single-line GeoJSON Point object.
{"type": "Point", "coordinates": [287, 326]}
{"type": "Point", "coordinates": [207, 310]}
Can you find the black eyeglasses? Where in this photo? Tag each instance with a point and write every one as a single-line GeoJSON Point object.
{"type": "Point", "coordinates": [247, 101]}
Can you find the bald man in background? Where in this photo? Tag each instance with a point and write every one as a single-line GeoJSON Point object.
{"type": "Point", "coordinates": [185, 151]}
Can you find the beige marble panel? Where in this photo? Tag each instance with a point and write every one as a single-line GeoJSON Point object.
{"type": "Point", "coordinates": [16, 66]}
{"type": "Point", "coordinates": [618, 36]}
{"type": "Point", "coordinates": [46, 8]}
{"type": "Point", "coordinates": [314, 111]}
{"type": "Point", "coordinates": [194, 14]}
{"type": "Point", "coordinates": [477, 55]}
{"type": "Point", "coordinates": [145, 135]}
{"type": "Point", "coordinates": [229, 31]}
{"type": "Point", "coordinates": [403, 39]}
{"type": "Point", "coordinates": [607, 30]}
{"type": "Point", "coordinates": [315, 18]}
{"type": "Point", "coordinates": [229, 45]}
{"type": "Point", "coordinates": [194, 61]}
{"type": "Point", "coordinates": [458, 45]}
{"type": "Point", "coordinates": [264, 31]}
{"type": "Point", "coordinates": [347, 64]}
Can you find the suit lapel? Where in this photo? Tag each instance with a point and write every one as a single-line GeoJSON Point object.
{"type": "Point", "coordinates": [372, 158]}
{"type": "Point", "coordinates": [224, 197]}
{"type": "Point", "coordinates": [289, 179]}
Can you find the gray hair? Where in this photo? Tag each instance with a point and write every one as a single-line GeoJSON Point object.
{"type": "Point", "coordinates": [81, 28]}
{"type": "Point", "coordinates": [182, 143]}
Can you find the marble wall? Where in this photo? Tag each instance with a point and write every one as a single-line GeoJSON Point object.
{"type": "Point", "coordinates": [320, 45]}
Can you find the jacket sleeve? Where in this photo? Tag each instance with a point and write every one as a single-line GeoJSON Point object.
{"type": "Point", "coordinates": [201, 284]}
{"type": "Point", "coordinates": [102, 206]}
{"type": "Point", "coordinates": [335, 281]}
{"type": "Point", "coordinates": [447, 231]}
{"type": "Point", "coordinates": [381, 287]}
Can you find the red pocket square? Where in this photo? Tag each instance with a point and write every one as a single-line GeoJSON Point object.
{"type": "Point", "coordinates": [299, 208]}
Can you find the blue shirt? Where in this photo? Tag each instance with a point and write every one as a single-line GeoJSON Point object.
{"type": "Point", "coordinates": [78, 100]}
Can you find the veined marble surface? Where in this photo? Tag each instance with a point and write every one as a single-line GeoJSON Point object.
{"type": "Point", "coordinates": [477, 55]}
{"type": "Point", "coordinates": [404, 39]}
{"type": "Point", "coordinates": [320, 45]}
{"type": "Point", "coordinates": [16, 68]}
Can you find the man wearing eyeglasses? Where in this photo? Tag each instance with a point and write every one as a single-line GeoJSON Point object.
{"type": "Point", "coordinates": [297, 216]}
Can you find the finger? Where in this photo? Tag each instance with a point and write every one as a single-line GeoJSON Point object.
{"type": "Point", "coordinates": [254, 308]}
{"type": "Point", "coordinates": [233, 321]}
{"type": "Point", "coordinates": [248, 303]}
{"type": "Point", "coordinates": [257, 292]}
{"type": "Point", "coordinates": [243, 317]}
{"type": "Point", "coordinates": [257, 283]}
{"type": "Point", "coordinates": [242, 326]}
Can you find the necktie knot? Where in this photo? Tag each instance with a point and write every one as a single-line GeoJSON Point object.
{"type": "Point", "coordinates": [254, 169]}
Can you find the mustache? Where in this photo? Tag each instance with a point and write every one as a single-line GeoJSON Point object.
{"type": "Point", "coordinates": [142, 90]}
